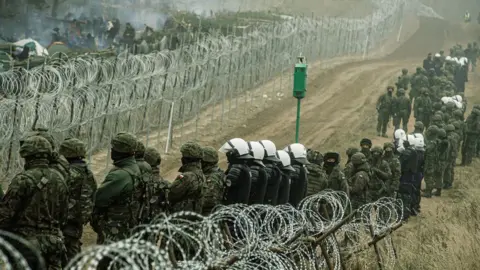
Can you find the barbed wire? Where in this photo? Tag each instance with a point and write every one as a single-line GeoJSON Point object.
{"type": "Point", "coordinates": [93, 98]}
{"type": "Point", "coordinates": [255, 237]}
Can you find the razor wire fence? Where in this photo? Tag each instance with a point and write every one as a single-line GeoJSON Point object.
{"type": "Point", "coordinates": [321, 233]}
{"type": "Point", "coordinates": [169, 96]}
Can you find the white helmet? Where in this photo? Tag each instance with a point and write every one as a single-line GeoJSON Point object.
{"type": "Point", "coordinates": [238, 146]}
{"type": "Point", "coordinates": [458, 98]}
{"type": "Point", "coordinates": [270, 150]}
{"type": "Point", "coordinates": [297, 152]}
{"type": "Point", "coordinates": [258, 152]}
{"type": "Point", "coordinates": [284, 157]}
{"type": "Point", "coordinates": [448, 58]}
{"type": "Point", "coordinates": [458, 104]}
{"type": "Point", "coordinates": [399, 134]}
{"type": "Point", "coordinates": [418, 141]}
{"type": "Point", "coordinates": [437, 55]}
{"type": "Point", "coordinates": [446, 100]}
{"type": "Point", "coordinates": [463, 61]}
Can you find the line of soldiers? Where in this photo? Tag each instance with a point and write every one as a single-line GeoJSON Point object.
{"type": "Point", "coordinates": [442, 76]}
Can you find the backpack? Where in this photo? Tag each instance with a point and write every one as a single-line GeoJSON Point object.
{"type": "Point", "coordinates": [139, 204]}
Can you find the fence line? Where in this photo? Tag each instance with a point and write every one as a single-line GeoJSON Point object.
{"type": "Point", "coordinates": [93, 98]}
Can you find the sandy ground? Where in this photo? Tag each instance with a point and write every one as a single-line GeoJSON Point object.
{"type": "Point", "coordinates": [338, 110]}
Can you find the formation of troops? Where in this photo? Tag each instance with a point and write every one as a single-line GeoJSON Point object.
{"type": "Point", "coordinates": [56, 195]}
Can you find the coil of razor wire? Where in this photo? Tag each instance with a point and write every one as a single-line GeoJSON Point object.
{"type": "Point", "coordinates": [253, 237]}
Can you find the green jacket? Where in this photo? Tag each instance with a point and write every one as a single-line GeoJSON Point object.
{"type": "Point", "coordinates": [336, 180]}
{"type": "Point", "coordinates": [114, 198]}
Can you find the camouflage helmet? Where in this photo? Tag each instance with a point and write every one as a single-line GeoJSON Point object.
{"type": "Point", "coordinates": [351, 151]}
{"type": "Point", "coordinates": [475, 111]}
{"type": "Point", "coordinates": [476, 106]}
{"type": "Point", "coordinates": [424, 91]}
{"type": "Point", "coordinates": [419, 69]}
{"type": "Point", "coordinates": [210, 155]}
{"type": "Point", "coordinates": [152, 157]}
{"type": "Point", "coordinates": [358, 159]}
{"type": "Point", "coordinates": [449, 128]}
{"type": "Point", "coordinates": [458, 113]}
{"type": "Point", "coordinates": [124, 143]}
{"type": "Point", "coordinates": [73, 148]}
{"type": "Point", "coordinates": [34, 145]}
{"type": "Point", "coordinates": [419, 125]}
{"type": "Point", "coordinates": [42, 132]}
{"type": "Point", "coordinates": [441, 133]}
{"type": "Point", "coordinates": [450, 105]}
{"type": "Point", "coordinates": [401, 91]}
{"type": "Point", "coordinates": [376, 149]}
{"type": "Point", "coordinates": [437, 117]}
{"type": "Point", "coordinates": [388, 146]}
{"type": "Point", "coordinates": [140, 149]}
{"type": "Point", "coordinates": [404, 71]}
{"type": "Point", "coordinates": [457, 125]}
{"type": "Point", "coordinates": [191, 150]}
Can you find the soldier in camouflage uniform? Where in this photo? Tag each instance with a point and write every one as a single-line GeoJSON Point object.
{"type": "Point", "coordinates": [317, 178]}
{"type": "Point", "coordinates": [117, 201]}
{"type": "Point", "coordinates": [431, 160]}
{"type": "Point", "coordinates": [422, 108]}
{"type": "Point", "coordinates": [186, 191]}
{"type": "Point", "coordinates": [147, 182]}
{"type": "Point", "coordinates": [336, 178]}
{"type": "Point", "coordinates": [393, 182]}
{"type": "Point", "coordinates": [450, 107]}
{"type": "Point", "coordinates": [472, 131]}
{"type": "Point", "coordinates": [359, 180]}
{"type": "Point", "coordinates": [437, 120]}
{"type": "Point", "coordinates": [159, 200]}
{"type": "Point", "coordinates": [81, 194]}
{"type": "Point", "coordinates": [419, 80]}
{"type": "Point", "coordinates": [454, 140]}
{"type": "Point", "coordinates": [402, 109]}
{"type": "Point", "coordinates": [444, 152]}
{"type": "Point", "coordinates": [57, 161]}
{"type": "Point", "coordinates": [385, 110]}
{"type": "Point", "coordinates": [403, 80]}
{"type": "Point", "coordinates": [381, 174]}
{"type": "Point", "coordinates": [215, 182]}
{"type": "Point", "coordinates": [365, 145]}
{"type": "Point", "coordinates": [418, 127]}
{"type": "Point", "coordinates": [35, 204]}
{"type": "Point", "coordinates": [348, 165]}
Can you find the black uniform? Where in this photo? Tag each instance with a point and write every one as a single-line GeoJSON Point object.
{"type": "Point", "coordinates": [239, 181]}
{"type": "Point", "coordinates": [298, 186]}
{"type": "Point", "coordinates": [259, 184]}
{"type": "Point", "coordinates": [273, 183]}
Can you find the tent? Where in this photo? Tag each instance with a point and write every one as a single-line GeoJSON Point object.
{"type": "Point", "coordinates": [35, 47]}
{"type": "Point", "coordinates": [57, 48]}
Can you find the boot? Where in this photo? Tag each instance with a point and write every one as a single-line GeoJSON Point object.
{"type": "Point", "coordinates": [384, 135]}
{"type": "Point", "coordinates": [379, 134]}
{"type": "Point", "coordinates": [427, 194]}
{"type": "Point", "coordinates": [447, 186]}
{"type": "Point", "coordinates": [438, 192]}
